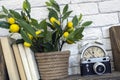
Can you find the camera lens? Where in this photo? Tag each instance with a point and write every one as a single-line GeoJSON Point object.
{"type": "Point", "coordinates": [99, 68]}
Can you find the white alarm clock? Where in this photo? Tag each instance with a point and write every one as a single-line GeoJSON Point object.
{"type": "Point", "coordinates": [94, 59]}
{"type": "Point", "coordinates": [92, 50]}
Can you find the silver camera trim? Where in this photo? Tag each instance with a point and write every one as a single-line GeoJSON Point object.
{"type": "Point", "coordinates": [96, 65]}
{"type": "Point", "coordinates": [94, 60]}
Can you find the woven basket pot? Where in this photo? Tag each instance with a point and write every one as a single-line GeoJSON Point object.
{"type": "Point", "coordinates": [53, 65]}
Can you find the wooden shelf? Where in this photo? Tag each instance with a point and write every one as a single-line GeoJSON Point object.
{"type": "Point", "coordinates": [109, 76]}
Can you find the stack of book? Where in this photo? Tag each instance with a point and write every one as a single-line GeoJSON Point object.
{"type": "Point", "coordinates": [20, 61]}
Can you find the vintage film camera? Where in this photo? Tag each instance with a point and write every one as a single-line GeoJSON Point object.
{"type": "Point", "coordinates": [94, 60]}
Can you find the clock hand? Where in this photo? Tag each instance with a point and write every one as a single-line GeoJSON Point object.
{"type": "Point", "coordinates": [90, 53]}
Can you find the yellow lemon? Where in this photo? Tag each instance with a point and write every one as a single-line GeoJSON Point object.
{"type": "Point", "coordinates": [58, 22]}
{"type": "Point", "coordinates": [38, 32]}
{"type": "Point", "coordinates": [66, 34]}
{"type": "Point", "coordinates": [30, 36]}
{"type": "Point", "coordinates": [11, 20]}
{"type": "Point", "coordinates": [70, 29]}
{"type": "Point", "coordinates": [26, 44]}
{"type": "Point", "coordinates": [70, 24]}
{"type": "Point", "coordinates": [52, 20]}
{"type": "Point", "coordinates": [14, 28]}
{"type": "Point", "coordinates": [69, 42]}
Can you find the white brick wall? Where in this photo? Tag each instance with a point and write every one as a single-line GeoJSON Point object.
{"type": "Point", "coordinates": [78, 1]}
{"type": "Point", "coordinates": [86, 8]}
{"type": "Point", "coordinates": [103, 19]}
{"type": "Point", "coordinates": [39, 13]}
{"type": "Point", "coordinates": [103, 13]}
{"type": "Point", "coordinates": [109, 6]}
{"type": "Point", "coordinates": [95, 32]}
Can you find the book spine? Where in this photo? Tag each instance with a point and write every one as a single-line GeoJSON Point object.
{"type": "Point", "coordinates": [9, 59]}
{"type": "Point", "coordinates": [25, 61]}
{"type": "Point", "coordinates": [19, 62]}
{"type": "Point", "coordinates": [32, 64]}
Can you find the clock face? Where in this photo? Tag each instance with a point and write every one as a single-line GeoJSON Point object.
{"type": "Point", "coordinates": [93, 52]}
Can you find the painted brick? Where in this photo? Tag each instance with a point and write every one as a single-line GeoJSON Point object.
{"type": "Point", "coordinates": [119, 16]}
{"type": "Point", "coordinates": [105, 30]}
{"type": "Point", "coordinates": [77, 1]}
{"type": "Point", "coordinates": [103, 19]}
{"type": "Point", "coordinates": [11, 4]}
{"type": "Point", "coordinates": [74, 60]}
{"type": "Point", "coordinates": [42, 2]}
{"type": "Point", "coordinates": [37, 2]}
{"type": "Point", "coordinates": [109, 6]}
{"type": "Point", "coordinates": [17, 4]}
{"type": "Point", "coordinates": [86, 8]}
{"type": "Point", "coordinates": [74, 70]}
{"type": "Point", "coordinates": [39, 13]}
{"type": "Point", "coordinates": [72, 47]}
{"type": "Point", "coordinates": [63, 1]}
{"type": "Point", "coordinates": [110, 55]}
{"type": "Point", "coordinates": [107, 44]}
{"type": "Point", "coordinates": [92, 33]}
{"type": "Point", "coordinates": [4, 32]}
{"type": "Point", "coordinates": [112, 66]}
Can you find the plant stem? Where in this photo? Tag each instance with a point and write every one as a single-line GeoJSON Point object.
{"type": "Point", "coordinates": [62, 45]}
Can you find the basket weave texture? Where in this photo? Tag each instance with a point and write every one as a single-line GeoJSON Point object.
{"type": "Point", "coordinates": [53, 65]}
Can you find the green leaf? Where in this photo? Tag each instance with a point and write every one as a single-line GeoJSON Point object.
{"type": "Point", "coordinates": [87, 23]}
{"type": "Point", "coordinates": [4, 24]}
{"type": "Point", "coordinates": [75, 21]}
{"type": "Point", "coordinates": [3, 16]}
{"type": "Point", "coordinates": [52, 13]}
{"type": "Point", "coordinates": [15, 14]}
{"type": "Point", "coordinates": [50, 25]}
{"type": "Point", "coordinates": [54, 37]}
{"type": "Point", "coordinates": [26, 6]}
{"type": "Point", "coordinates": [71, 40]}
{"type": "Point", "coordinates": [25, 36]}
{"type": "Point", "coordinates": [56, 6]}
{"type": "Point", "coordinates": [52, 1]}
{"type": "Point", "coordinates": [43, 25]}
{"type": "Point", "coordinates": [27, 27]}
{"type": "Point", "coordinates": [76, 35]}
{"type": "Point", "coordinates": [23, 15]}
{"type": "Point", "coordinates": [66, 15]}
{"type": "Point", "coordinates": [80, 18]}
{"type": "Point", "coordinates": [59, 29]}
{"type": "Point", "coordinates": [48, 37]}
{"type": "Point", "coordinates": [34, 22]}
{"type": "Point", "coordinates": [48, 4]}
{"type": "Point", "coordinates": [65, 9]}
{"type": "Point", "coordinates": [48, 47]}
{"type": "Point", "coordinates": [4, 10]}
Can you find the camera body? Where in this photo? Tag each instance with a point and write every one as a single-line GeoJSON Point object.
{"type": "Point", "coordinates": [97, 66]}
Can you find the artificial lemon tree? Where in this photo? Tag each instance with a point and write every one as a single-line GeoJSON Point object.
{"type": "Point", "coordinates": [49, 34]}
{"type": "Point", "coordinates": [65, 30]}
